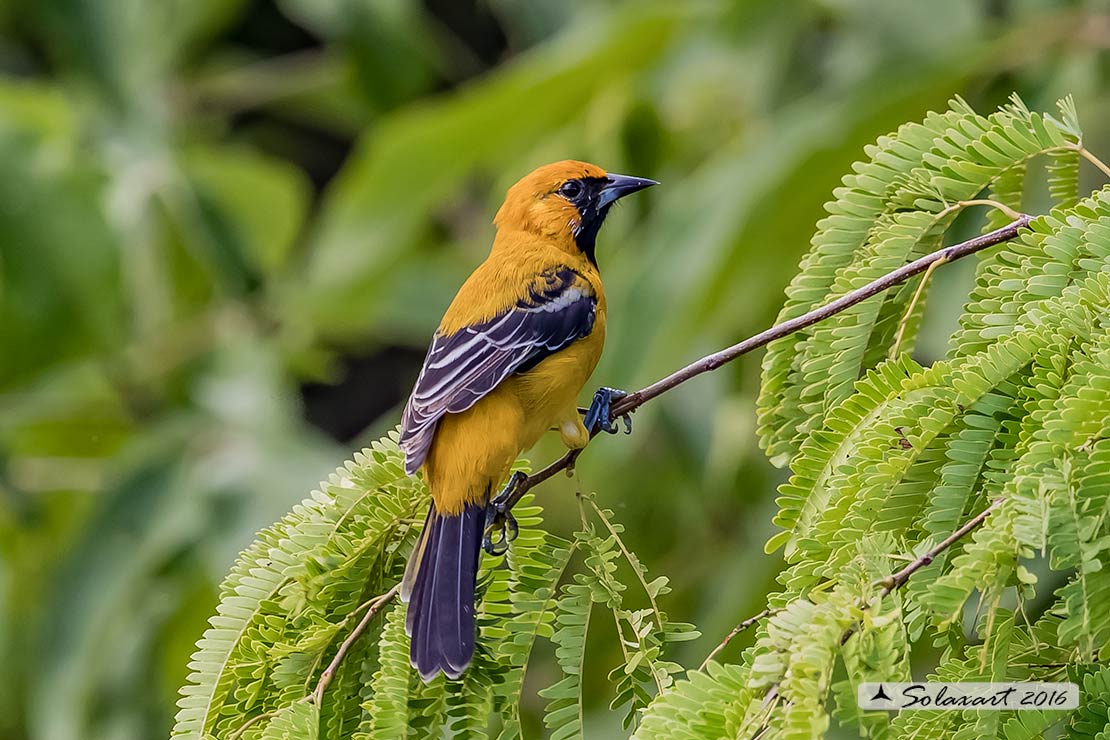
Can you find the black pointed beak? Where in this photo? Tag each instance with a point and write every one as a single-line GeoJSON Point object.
{"type": "Point", "coordinates": [618, 186]}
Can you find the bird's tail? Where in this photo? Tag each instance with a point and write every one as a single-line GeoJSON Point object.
{"type": "Point", "coordinates": [439, 588]}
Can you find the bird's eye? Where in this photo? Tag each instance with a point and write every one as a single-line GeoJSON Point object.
{"type": "Point", "coordinates": [571, 189]}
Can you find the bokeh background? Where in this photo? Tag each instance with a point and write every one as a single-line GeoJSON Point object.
{"type": "Point", "coordinates": [228, 228]}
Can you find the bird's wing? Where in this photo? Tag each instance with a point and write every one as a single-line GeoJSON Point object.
{"type": "Point", "coordinates": [558, 307]}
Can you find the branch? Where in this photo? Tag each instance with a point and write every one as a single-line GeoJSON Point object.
{"type": "Point", "coordinates": [899, 579]}
{"type": "Point", "coordinates": [372, 608]}
{"type": "Point", "coordinates": [749, 622]}
{"type": "Point", "coordinates": [889, 584]}
{"type": "Point", "coordinates": [635, 400]}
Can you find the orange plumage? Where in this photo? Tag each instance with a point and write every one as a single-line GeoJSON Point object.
{"type": "Point", "coordinates": [506, 364]}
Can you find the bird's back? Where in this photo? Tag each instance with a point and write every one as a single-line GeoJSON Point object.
{"type": "Point", "coordinates": [474, 449]}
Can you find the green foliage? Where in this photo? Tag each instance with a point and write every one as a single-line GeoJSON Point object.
{"type": "Point", "coordinates": [895, 461]}
{"type": "Point", "coordinates": [564, 710]}
{"type": "Point", "coordinates": [298, 591]}
{"type": "Point", "coordinates": [294, 591]}
{"type": "Point", "coordinates": [887, 213]}
{"type": "Point", "coordinates": [297, 720]}
{"type": "Point", "coordinates": [387, 708]}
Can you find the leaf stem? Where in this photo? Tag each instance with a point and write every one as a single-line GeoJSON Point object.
{"type": "Point", "coordinates": [746, 624]}
{"type": "Point", "coordinates": [250, 723]}
{"type": "Point", "coordinates": [897, 580]}
{"type": "Point", "coordinates": [905, 322]}
{"type": "Point", "coordinates": [1090, 157]}
{"type": "Point", "coordinates": [632, 561]}
{"type": "Point", "coordinates": [1005, 209]}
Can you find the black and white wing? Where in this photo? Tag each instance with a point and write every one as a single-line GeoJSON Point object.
{"type": "Point", "coordinates": [463, 367]}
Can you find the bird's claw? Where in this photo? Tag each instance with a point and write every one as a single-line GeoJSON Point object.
{"type": "Point", "coordinates": [504, 526]}
{"type": "Point", "coordinates": [498, 519]}
{"type": "Point", "coordinates": [598, 418]}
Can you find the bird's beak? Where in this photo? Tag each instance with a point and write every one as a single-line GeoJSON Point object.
{"type": "Point", "coordinates": [618, 186]}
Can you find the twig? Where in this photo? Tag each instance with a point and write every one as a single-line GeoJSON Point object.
{"type": "Point", "coordinates": [749, 622]}
{"type": "Point", "coordinates": [889, 584]}
{"type": "Point", "coordinates": [635, 400]}
{"type": "Point", "coordinates": [374, 606]}
{"type": "Point", "coordinates": [897, 580]}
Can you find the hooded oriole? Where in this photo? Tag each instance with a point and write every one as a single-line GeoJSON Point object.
{"type": "Point", "coordinates": [506, 364]}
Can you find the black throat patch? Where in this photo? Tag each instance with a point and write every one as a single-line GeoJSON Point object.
{"type": "Point", "coordinates": [590, 215]}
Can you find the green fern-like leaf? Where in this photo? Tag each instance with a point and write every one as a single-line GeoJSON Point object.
{"type": "Point", "coordinates": [705, 704]}
{"type": "Point", "coordinates": [299, 721]}
{"type": "Point", "coordinates": [293, 586]}
{"type": "Point", "coordinates": [536, 564]}
{"type": "Point", "coordinates": [898, 459]}
{"type": "Point", "coordinates": [388, 707]}
{"type": "Point", "coordinates": [1063, 177]}
{"type": "Point", "coordinates": [573, 609]}
{"type": "Point", "coordinates": [1092, 720]}
{"type": "Point", "coordinates": [1009, 190]}
{"type": "Point", "coordinates": [886, 213]}
{"type": "Point", "coordinates": [858, 203]}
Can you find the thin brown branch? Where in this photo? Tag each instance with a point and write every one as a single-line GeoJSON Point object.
{"type": "Point", "coordinates": [372, 608]}
{"type": "Point", "coordinates": [899, 579]}
{"type": "Point", "coordinates": [889, 584]}
{"type": "Point", "coordinates": [896, 580]}
{"type": "Point", "coordinates": [747, 623]}
{"type": "Point", "coordinates": [635, 400]}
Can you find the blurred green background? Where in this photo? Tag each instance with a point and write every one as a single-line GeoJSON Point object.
{"type": "Point", "coordinates": [228, 228]}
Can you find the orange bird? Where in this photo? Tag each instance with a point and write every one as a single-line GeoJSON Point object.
{"type": "Point", "coordinates": [506, 364]}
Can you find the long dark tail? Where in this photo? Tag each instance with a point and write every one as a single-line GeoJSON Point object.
{"type": "Point", "coordinates": [439, 588]}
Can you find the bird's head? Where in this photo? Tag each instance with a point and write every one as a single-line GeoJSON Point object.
{"type": "Point", "coordinates": [567, 202]}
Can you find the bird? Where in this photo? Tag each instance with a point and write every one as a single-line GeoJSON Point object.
{"type": "Point", "coordinates": [506, 364]}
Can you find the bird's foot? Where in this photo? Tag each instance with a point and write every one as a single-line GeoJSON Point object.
{"type": "Point", "coordinates": [498, 519]}
{"type": "Point", "coordinates": [598, 418]}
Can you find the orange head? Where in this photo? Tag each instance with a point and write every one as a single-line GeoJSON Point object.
{"type": "Point", "coordinates": [565, 201]}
